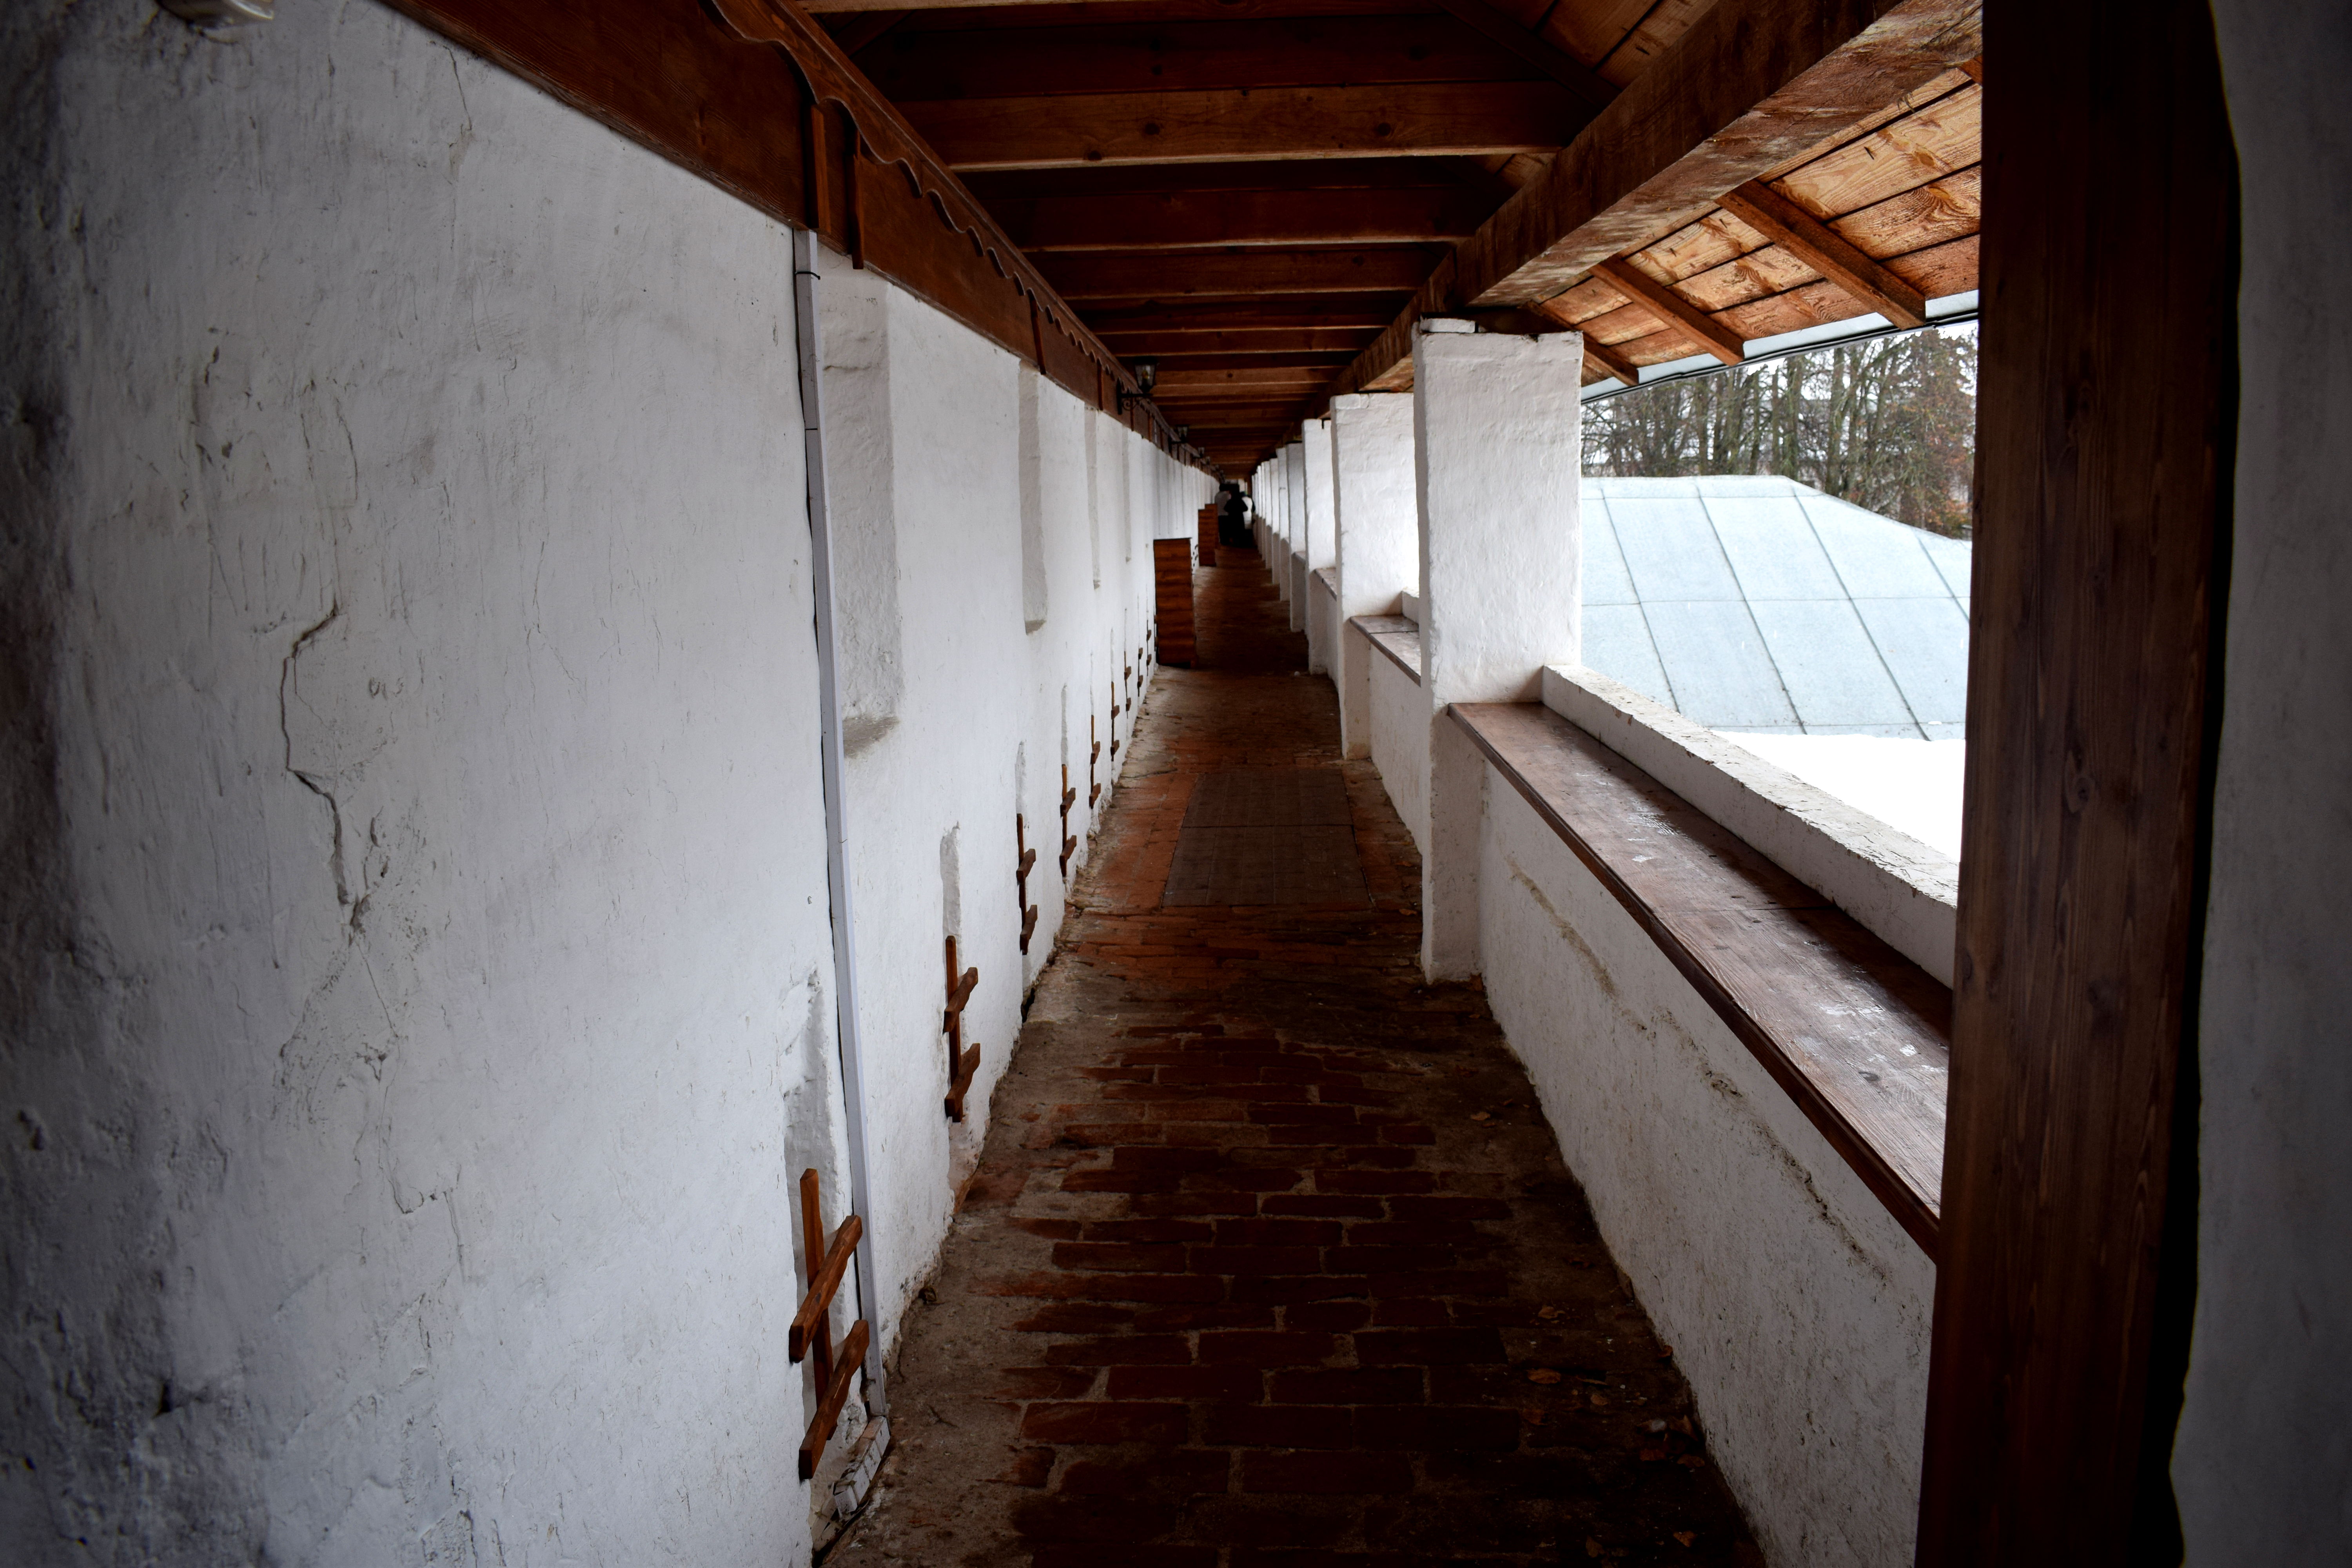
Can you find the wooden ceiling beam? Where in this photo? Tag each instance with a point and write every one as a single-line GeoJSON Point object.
{"type": "Point", "coordinates": [1307, 340]}
{"type": "Point", "coordinates": [1444, 119]}
{"type": "Point", "coordinates": [1711, 335]}
{"type": "Point", "coordinates": [998, 185]}
{"type": "Point", "coordinates": [1753, 84]}
{"type": "Point", "coordinates": [1350, 313]}
{"type": "Point", "coordinates": [1328, 363]}
{"type": "Point", "coordinates": [1826, 251]}
{"type": "Point", "coordinates": [1094, 275]}
{"type": "Point", "coordinates": [1206, 220]}
{"type": "Point", "coordinates": [1167, 57]}
{"type": "Point", "coordinates": [1610, 362]}
{"type": "Point", "coordinates": [1563, 68]}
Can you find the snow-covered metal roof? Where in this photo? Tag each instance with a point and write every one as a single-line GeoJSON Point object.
{"type": "Point", "coordinates": [1758, 603]}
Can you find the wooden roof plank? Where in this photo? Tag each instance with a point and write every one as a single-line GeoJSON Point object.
{"type": "Point", "coordinates": [1562, 67]}
{"type": "Point", "coordinates": [1827, 252]}
{"type": "Point", "coordinates": [1924, 145]}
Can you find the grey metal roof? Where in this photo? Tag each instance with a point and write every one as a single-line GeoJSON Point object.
{"type": "Point", "coordinates": [1755, 603]}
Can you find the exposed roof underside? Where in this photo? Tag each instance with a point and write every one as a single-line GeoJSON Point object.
{"type": "Point", "coordinates": [1262, 194]}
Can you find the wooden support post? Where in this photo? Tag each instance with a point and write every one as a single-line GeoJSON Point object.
{"type": "Point", "coordinates": [2105, 464]}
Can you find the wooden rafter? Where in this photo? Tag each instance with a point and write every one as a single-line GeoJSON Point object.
{"type": "Point", "coordinates": [1610, 362]}
{"type": "Point", "coordinates": [1826, 251]}
{"type": "Point", "coordinates": [1710, 336]}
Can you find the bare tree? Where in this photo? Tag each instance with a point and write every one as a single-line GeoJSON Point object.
{"type": "Point", "coordinates": [1888, 424]}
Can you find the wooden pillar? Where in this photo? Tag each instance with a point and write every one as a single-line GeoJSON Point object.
{"type": "Point", "coordinates": [2106, 398]}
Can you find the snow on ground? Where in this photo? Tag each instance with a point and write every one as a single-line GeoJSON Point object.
{"type": "Point", "coordinates": [1913, 786]}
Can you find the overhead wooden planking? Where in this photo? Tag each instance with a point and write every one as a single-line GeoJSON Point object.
{"type": "Point", "coordinates": [1924, 145]}
{"type": "Point", "coordinates": [1753, 84]}
{"type": "Point", "coordinates": [1508, 31]}
{"type": "Point", "coordinates": [1651, 28]}
{"type": "Point", "coordinates": [1595, 32]}
{"type": "Point", "coordinates": [1202, 220]}
{"type": "Point", "coordinates": [1164, 56]}
{"type": "Point", "coordinates": [1827, 252]}
{"type": "Point", "coordinates": [1457, 119]}
{"type": "Point", "coordinates": [1176, 275]}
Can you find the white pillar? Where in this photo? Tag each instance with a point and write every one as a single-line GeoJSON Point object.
{"type": "Point", "coordinates": [1376, 534]}
{"type": "Point", "coordinates": [1498, 456]}
{"type": "Point", "coordinates": [1294, 478]}
{"type": "Point", "coordinates": [1321, 551]}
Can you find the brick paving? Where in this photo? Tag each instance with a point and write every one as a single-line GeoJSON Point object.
{"type": "Point", "coordinates": [1270, 1260]}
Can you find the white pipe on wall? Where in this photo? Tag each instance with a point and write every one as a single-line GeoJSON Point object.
{"type": "Point", "coordinates": [836, 815]}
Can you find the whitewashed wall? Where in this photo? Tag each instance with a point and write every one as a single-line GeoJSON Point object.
{"type": "Point", "coordinates": [1400, 741]}
{"type": "Point", "coordinates": [420, 987]}
{"type": "Point", "coordinates": [420, 1000]}
{"type": "Point", "coordinates": [2263, 1464]}
{"type": "Point", "coordinates": [1797, 1307]}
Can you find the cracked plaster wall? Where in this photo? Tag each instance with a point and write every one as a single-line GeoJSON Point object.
{"type": "Point", "coordinates": [417, 984]}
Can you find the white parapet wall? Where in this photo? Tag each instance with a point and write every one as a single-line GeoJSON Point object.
{"type": "Point", "coordinates": [1795, 1305]}
{"type": "Point", "coordinates": [1323, 622]}
{"type": "Point", "coordinates": [1901, 890]}
{"type": "Point", "coordinates": [1400, 747]}
{"type": "Point", "coordinates": [422, 968]}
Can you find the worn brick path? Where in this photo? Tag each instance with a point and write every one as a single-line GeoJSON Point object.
{"type": "Point", "coordinates": [1270, 1260]}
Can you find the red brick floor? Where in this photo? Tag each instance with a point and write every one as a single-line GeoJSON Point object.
{"type": "Point", "coordinates": [1270, 1258]}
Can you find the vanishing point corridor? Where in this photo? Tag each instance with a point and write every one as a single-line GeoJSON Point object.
{"type": "Point", "coordinates": [1270, 1258]}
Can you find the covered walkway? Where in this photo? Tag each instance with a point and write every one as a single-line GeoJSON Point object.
{"type": "Point", "coordinates": [1271, 1257]}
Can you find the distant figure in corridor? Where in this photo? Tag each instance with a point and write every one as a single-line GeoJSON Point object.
{"type": "Point", "coordinates": [1233, 516]}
